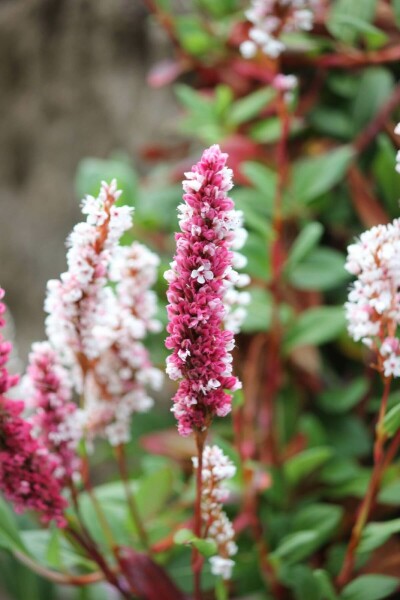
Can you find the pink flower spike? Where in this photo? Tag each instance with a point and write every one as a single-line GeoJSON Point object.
{"type": "Point", "coordinates": [27, 471]}
{"type": "Point", "coordinates": [201, 295]}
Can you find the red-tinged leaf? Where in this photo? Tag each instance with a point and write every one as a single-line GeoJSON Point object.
{"type": "Point", "coordinates": [240, 149]}
{"type": "Point", "coordinates": [169, 443]}
{"type": "Point", "coordinates": [146, 578]}
{"type": "Point", "coordinates": [164, 72]}
{"type": "Point", "coordinates": [368, 208]}
{"type": "Point", "coordinates": [263, 71]}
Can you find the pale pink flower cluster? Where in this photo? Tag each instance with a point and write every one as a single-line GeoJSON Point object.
{"type": "Point", "coordinates": [81, 310]}
{"type": "Point", "coordinates": [271, 18]}
{"type": "Point", "coordinates": [202, 294]}
{"type": "Point", "coordinates": [96, 328]}
{"type": "Point", "coordinates": [216, 469]}
{"type": "Point", "coordinates": [373, 307]}
{"type": "Point", "coordinates": [117, 385]}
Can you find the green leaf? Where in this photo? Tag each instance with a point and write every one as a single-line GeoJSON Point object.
{"type": "Point", "coordinates": [386, 176]}
{"type": "Point", "coordinates": [370, 587]}
{"type": "Point", "coordinates": [325, 585]}
{"type": "Point", "coordinates": [376, 534]}
{"type": "Point", "coordinates": [396, 9]}
{"type": "Point", "coordinates": [148, 502]}
{"type": "Point", "coordinates": [375, 85]}
{"type": "Point", "coordinates": [156, 206]}
{"type": "Point", "coordinates": [307, 239]}
{"type": "Point", "coordinates": [363, 10]}
{"type": "Point", "coordinates": [296, 546]}
{"type": "Point", "coordinates": [205, 547]}
{"type": "Point", "coordinates": [300, 579]}
{"type": "Point", "coordinates": [10, 537]}
{"type": "Point", "coordinates": [373, 36]}
{"type": "Point", "coordinates": [312, 177]}
{"type": "Point", "coordinates": [323, 269]}
{"type": "Point", "coordinates": [220, 8]}
{"type": "Point", "coordinates": [349, 435]}
{"type": "Point", "coordinates": [193, 36]}
{"type": "Point", "coordinates": [391, 421]}
{"type": "Point", "coordinates": [92, 171]}
{"type": "Point", "coordinates": [269, 130]}
{"type": "Point", "coordinates": [333, 122]}
{"type": "Point", "coordinates": [263, 179]}
{"type": "Point", "coordinates": [255, 250]}
{"type": "Point", "coordinates": [343, 399]}
{"type": "Point", "coordinates": [41, 544]}
{"type": "Point", "coordinates": [323, 518]}
{"type": "Point", "coordinates": [304, 463]}
{"type": "Point", "coordinates": [259, 311]}
{"type": "Point", "coordinates": [390, 493]}
{"type": "Point", "coordinates": [315, 326]}
{"type": "Point", "coordinates": [248, 107]}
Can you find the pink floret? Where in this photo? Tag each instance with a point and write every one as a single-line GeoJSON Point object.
{"type": "Point", "coordinates": [200, 275]}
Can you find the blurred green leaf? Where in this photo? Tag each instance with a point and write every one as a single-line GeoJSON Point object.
{"type": "Point", "coordinates": [324, 518]}
{"type": "Point", "coordinates": [10, 537]}
{"type": "Point", "coordinates": [312, 177]}
{"type": "Point", "coordinates": [343, 399]}
{"type": "Point", "coordinates": [193, 36]}
{"type": "Point", "coordinates": [315, 326]}
{"type": "Point", "coordinates": [361, 11]}
{"type": "Point", "coordinates": [375, 86]}
{"type": "Point", "coordinates": [250, 106]}
{"type": "Point", "coordinates": [396, 9]}
{"type": "Point", "coordinates": [269, 130]}
{"type": "Point", "coordinates": [370, 587]}
{"type": "Point", "coordinates": [259, 311]}
{"type": "Point", "coordinates": [204, 546]}
{"type": "Point", "coordinates": [263, 178]}
{"type": "Point", "coordinates": [376, 534]}
{"type": "Point", "coordinates": [41, 545]}
{"type": "Point", "coordinates": [333, 122]}
{"type": "Point", "coordinates": [322, 269]}
{"type": "Point", "coordinates": [255, 250]}
{"type": "Point", "coordinates": [306, 462]}
{"type": "Point", "coordinates": [349, 435]}
{"type": "Point", "coordinates": [92, 171]}
{"type": "Point", "coordinates": [307, 239]}
{"type": "Point", "coordinates": [390, 493]}
{"type": "Point", "coordinates": [373, 36]}
{"type": "Point", "coordinates": [149, 503]}
{"type": "Point", "coordinates": [157, 205]}
{"type": "Point", "coordinates": [296, 546]}
{"type": "Point", "coordinates": [391, 422]}
{"type": "Point", "coordinates": [386, 176]}
{"type": "Point", "coordinates": [220, 8]}
{"type": "Point", "coordinates": [326, 586]}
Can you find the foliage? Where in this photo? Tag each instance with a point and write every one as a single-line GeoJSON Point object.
{"type": "Point", "coordinates": [302, 430]}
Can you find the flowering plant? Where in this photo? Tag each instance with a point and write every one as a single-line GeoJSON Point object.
{"type": "Point", "coordinates": [280, 478]}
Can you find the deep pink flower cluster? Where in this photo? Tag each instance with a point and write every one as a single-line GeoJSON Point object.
{"type": "Point", "coordinates": [26, 469]}
{"type": "Point", "coordinates": [200, 276]}
{"type": "Point", "coordinates": [54, 419]}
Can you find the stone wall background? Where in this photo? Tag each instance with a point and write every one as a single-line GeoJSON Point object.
{"type": "Point", "coordinates": [72, 84]}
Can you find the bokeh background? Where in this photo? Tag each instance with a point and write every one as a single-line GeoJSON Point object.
{"type": "Point", "coordinates": [73, 84]}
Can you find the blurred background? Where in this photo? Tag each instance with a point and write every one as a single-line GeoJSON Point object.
{"type": "Point", "coordinates": [73, 84]}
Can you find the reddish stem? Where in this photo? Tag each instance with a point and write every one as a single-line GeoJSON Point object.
{"type": "Point", "coordinates": [197, 560]}
{"type": "Point", "coordinates": [380, 465]}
